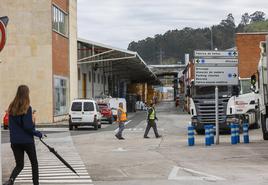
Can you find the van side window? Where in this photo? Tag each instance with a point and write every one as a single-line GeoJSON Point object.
{"type": "Point", "coordinates": [76, 106]}
{"type": "Point", "coordinates": [88, 106]}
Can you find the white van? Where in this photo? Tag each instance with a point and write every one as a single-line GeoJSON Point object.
{"type": "Point", "coordinates": [84, 112]}
{"type": "Point", "coordinates": [114, 105]}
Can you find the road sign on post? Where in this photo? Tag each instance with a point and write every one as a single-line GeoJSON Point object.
{"type": "Point", "coordinates": [3, 24]}
{"type": "Point", "coordinates": [215, 54]}
{"type": "Point", "coordinates": [216, 68]}
{"type": "Point", "coordinates": [213, 75]}
{"type": "Point", "coordinates": [216, 60]}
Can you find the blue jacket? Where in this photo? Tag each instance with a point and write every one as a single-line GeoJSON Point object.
{"type": "Point", "coordinates": [22, 128]}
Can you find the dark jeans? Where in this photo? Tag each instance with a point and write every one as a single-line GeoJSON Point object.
{"type": "Point", "coordinates": [151, 123]}
{"type": "Point", "coordinates": [18, 151]}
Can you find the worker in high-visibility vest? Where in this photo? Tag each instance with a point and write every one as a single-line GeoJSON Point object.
{"type": "Point", "coordinates": [151, 117]}
{"type": "Point", "coordinates": [121, 119]}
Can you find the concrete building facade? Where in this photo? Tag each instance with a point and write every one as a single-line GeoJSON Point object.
{"type": "Point", "coordinates": [41, 52]}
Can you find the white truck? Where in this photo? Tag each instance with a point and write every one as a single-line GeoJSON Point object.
{"type": "Point", "coordinates": [233, 107]}
{"type": "Point", "coordinates": [263, 88]}
{"type": "Point", "coordinates": [202, 106]}
{"type": "Point", "coordinates": [244, 108]}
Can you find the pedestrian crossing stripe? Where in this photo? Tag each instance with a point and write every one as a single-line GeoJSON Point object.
{"type": "Point", "coordinates": [139, 129]}
{"type": "Point", "coordinates": [52, 171]}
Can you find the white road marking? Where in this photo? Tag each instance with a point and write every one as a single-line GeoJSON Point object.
{"type": "Point", "coordinates": [116, 130]}
{"type": "Point", "coordinates": [200, 175]}
{"type": "Point", "coordinates": [52, 171]}
{"type": "Point", "coordinates": [120, 150]}
{"type": "Point", "coordinates": [53, 129]}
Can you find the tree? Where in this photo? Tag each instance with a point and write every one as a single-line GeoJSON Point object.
{"type": "Point", "coordinates": [245, 19]}
{"type": "Point", "coordinates": [257, 16]}
{"type": "Point", "coordinates": [229, 21]}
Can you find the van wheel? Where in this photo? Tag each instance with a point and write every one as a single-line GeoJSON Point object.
{"type": "Point", "coordinates": [71, 127]}
{"type": "Point", "coordinates": [96, 126]}
{"type": "Point", "coordinates": [263, 125]}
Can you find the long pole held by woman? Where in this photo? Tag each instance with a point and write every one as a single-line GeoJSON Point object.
{"type": "Point", "coordinates": [22, 132]}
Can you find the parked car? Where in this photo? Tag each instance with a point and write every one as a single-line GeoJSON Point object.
{"type": "Point", "coordinates": [84, 112]}
{"type": "Point", "coordinates": [5, 121]}
{"type": "Point", "coordinates": [106, 112]}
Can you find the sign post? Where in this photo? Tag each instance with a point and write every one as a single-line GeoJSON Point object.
{"type": "Point", "coordinates": [3, 24]}
{"type": "Point", "coordinates": [216, 68]}
{"type": "Point", "coordinates": [217, 115]}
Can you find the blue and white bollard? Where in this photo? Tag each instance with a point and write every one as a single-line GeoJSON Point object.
{"type": "Point", "coordinates": [207, 135]}
{"type": "Point", "coordinates": [233, 134]}
{"type": "Point", "coordinates": [212, 134]}
{"type": "Point", "coordinates": [245, 133]}
{"type": "Point", "coordinates": [237, 133]}
{"type": "Point", "coordinates": [190, 135]}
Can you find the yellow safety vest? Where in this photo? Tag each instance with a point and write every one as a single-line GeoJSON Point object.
{"type": "Point", "coordinates": [123, 115]}
{"type": "Point", "coordinates": [152, 115]}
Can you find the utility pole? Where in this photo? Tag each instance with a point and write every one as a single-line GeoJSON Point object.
{"type": "Point", "coordinates": [211, 38]}
{"type": "Point", "coordinates": [161, 56]}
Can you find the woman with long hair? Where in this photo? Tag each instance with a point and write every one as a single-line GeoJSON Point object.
{"type": "Point", "coordinates": [22, 131]}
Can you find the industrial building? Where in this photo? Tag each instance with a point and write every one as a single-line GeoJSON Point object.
{"type": "Point", "coordinates": [41, 52]}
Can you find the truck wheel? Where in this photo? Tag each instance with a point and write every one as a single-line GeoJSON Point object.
{"type": "Point", "coordinates": [200, 131]}
{"type": "Point", "coordinates": [256, 125]}
{"type": "Point", "coordinates": [263, 125]}
{"type": "Point", "coordinates": [70, 127]}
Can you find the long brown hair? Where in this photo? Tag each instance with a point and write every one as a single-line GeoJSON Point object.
{"type": "Point", "coordinates": [21, 102]}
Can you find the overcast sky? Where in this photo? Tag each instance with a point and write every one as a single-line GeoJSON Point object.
{"type": "Point", "coordinates": [118, 22]}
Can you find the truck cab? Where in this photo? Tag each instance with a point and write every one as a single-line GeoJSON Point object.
{"type": "Point", "coordinates": [263, 90]}
{"type": "Point", "coordinates": [202, 106]}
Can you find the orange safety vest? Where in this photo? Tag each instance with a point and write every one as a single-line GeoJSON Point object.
{"type": "Point", "coordinates": [123, 115]}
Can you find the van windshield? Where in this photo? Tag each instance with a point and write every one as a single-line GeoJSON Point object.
{"type": "Point", "coordinates": [88, 106]}
{"type": "Point", "coordinates": [76, 106]}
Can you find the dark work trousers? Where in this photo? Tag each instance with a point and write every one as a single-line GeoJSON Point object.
{"type": "Point", "coordinates": [121, 128]}
{"type": "Point", "coordinates": [151, 123]}
{"type": "Point", "coordinates": [18, 151]}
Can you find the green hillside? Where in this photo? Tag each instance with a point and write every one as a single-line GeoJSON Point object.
{"type": "Point", "coordinates": [170, 47]}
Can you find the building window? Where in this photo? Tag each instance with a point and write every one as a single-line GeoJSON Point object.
{"type": "Point", "coordinates": [245, 85]}
{"type": "Point", "coordinates": [102, 79]}
{"type": "Point", "coordinates": [60, 21]}
{"type": "Point", "coordinates": [60, 96]}
{"type": "Point", "coordinates": [89, 76]}
{"type": "Point", "coordinates": [98, 78]}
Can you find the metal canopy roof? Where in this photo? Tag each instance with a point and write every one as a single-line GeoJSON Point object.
{"type": "Point", "coordinates": [125, 64]}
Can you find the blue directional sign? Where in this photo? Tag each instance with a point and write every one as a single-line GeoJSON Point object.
{"type": "Point", "coordinates": [216, 60]}
{"type": "Point", "coordinates": [227, 53]}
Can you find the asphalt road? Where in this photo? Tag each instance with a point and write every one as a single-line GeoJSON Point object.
{"type": "Point", "coordinates": [104, 160]}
